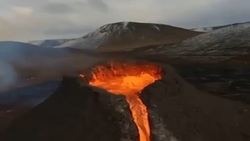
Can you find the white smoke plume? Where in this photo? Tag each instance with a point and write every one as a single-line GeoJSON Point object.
{"type": "Point", "coordinates": [7, 75]}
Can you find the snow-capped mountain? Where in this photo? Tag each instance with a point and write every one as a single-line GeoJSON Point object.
{"type": "Point", "coordinates": [129, 35]}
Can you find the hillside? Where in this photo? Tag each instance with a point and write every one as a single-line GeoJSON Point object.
{"type": "Point", "coordinates": [49, 43]}
{"type": "Point", "coordinates": [229, 41]}
{"type": "Point", "coordinates": [129, 35]}
{"type": "Point", "coordinates": [81, 115]}
{"type": "Point", "coordinates": [208, 29]}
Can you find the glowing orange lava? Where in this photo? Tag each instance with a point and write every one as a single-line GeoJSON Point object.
{"type": "Point", "coordinates": [128, 79]}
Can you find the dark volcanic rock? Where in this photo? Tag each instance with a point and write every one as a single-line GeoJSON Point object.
{"type": "Point", "coordinates": [192, 115]}
{"type": "Point", "coordinates": [76, 112]}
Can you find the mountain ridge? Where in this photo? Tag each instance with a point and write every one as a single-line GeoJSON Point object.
{"type": "Point", "coordinates": [124, 36]}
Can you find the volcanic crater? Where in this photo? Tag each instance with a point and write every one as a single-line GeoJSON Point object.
{"type": "Point", "coordinates": [127, 78]}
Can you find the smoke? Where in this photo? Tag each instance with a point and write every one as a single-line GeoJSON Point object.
{"type": "Point", "coordinates": [23, 64]}
{"type": "Point", "coordinates": [8, 75]}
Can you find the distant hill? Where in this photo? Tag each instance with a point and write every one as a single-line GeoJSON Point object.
{"type": "Point", "coordinates": [10, 50]}
{"type": "Point", "coordinates": [123, 36]}
{"type": "Point", "coordinates": [208, 29]}
{"type": "Point", "coordinates": [49, 43]}
{"type": "Point", "coordinates": [228, 41]}
{"type": "Point", "coordinates": [22, 63]}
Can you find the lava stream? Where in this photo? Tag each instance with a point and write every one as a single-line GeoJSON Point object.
{"type": "Point", "coordinates": [140, 116]}
{"type": "Point", "coordinates": [128, 80]}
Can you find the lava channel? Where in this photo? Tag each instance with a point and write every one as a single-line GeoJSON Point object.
{"type": "Point", "coordinates": [128, 79]}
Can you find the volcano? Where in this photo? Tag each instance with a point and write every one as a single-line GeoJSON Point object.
{"type": "Point", "coordinates": [92, 108]}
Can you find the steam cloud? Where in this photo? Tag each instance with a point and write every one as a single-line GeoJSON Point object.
{"type": "Point", "coordinates": [8, 75]}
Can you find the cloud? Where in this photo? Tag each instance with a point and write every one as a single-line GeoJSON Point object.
{"type": "Point", "coordinates": [214, 14]}
{"type": "Point", "coordinates": [8, 31]}
{"type": "Point", "coordinates": [74, 7]}
{"type": "Point", "coordinates": [20, 10]}
{"type": "Point", "coordinates": [28, 20]}
{"type": "Point", "coordinates": [98, 5]}
{"type": "Point", "coordinates": [7, 75]}
{"type": "Point", "coordinates": [58, 8]}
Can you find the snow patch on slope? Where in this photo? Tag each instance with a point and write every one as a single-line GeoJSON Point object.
{"type": "Point", "coordinates": [90, 41]}
{"type": "Point", "coordinates": [38, 42]}
{"type": "Point", "coordinates": [156, 27]}
{"type": "Point", "coordinates": [50, 43]}
{"type": "Point", "coordinates": [125, 24]}
{"type": "Point", "coordinates": [203, 29]}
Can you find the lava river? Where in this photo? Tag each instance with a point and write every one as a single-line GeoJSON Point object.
{"type": "Point", "coordinates": [128, 79]}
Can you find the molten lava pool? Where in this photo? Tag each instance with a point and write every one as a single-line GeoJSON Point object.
{"type": "Point", "coordinates": [128, 79]}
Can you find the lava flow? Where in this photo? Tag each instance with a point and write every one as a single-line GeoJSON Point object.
{"type": "Point", "coordinates": [128, 79]}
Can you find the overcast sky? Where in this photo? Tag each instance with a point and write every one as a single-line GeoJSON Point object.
{"type": "Point", "coordinates": [24, 20]}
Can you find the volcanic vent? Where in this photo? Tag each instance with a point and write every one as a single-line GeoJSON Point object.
{"type": "Point", "coordinates": [128, 79]}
